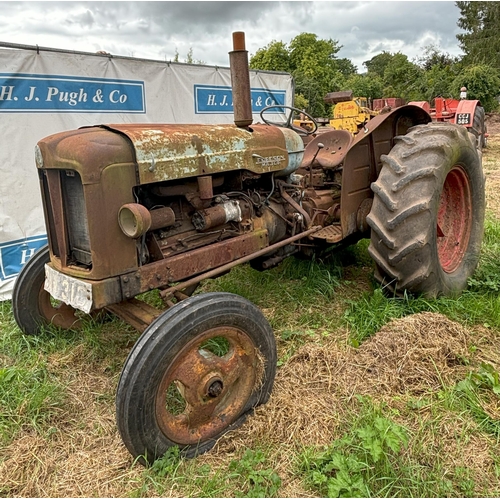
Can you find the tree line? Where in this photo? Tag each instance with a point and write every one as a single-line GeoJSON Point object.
{"type": "Point", "coordinates": [317, 70]}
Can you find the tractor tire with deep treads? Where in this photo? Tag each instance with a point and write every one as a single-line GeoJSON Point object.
{"type": "Point", "coordinates": [479, 127]}
{"type": "Point", "coordinates": [427, 216]}
{"type": "Point", "coordinates": [195, 373]}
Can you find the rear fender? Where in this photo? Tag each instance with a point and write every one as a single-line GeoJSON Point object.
{"type": "Point", "coordinates": [362, 161]}
{"type": "Point", "coordinates": [465, 113]}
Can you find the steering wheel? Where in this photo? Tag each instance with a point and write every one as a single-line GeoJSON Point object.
{"type": "Point", "coordinates": [289, 123]}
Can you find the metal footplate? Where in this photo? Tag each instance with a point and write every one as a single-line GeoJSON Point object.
{"type": "Point", "coordinates": [331, 234]}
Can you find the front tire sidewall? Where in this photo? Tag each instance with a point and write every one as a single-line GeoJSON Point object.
{"type": "Point", "coordinates": [26, 292]}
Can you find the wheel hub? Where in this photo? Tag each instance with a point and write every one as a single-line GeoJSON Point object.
{"type": "Point", "coordinates": [204, 390]}
{"type": "Point", "coordinates": [215, 389]}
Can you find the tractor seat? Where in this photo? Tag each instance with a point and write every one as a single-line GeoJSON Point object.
{"type": "Point", "coordinates": [336, 144]}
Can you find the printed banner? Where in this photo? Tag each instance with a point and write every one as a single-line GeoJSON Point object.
{"type": "Point", "coordinates": [41, 93]}
{"type": "Point", "coordinates": [14, 254]}
{"type": "Point", "coordinates": [213, 99]}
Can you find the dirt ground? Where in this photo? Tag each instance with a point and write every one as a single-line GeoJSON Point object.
{"type": "Point", "coordinates": [493, 123]}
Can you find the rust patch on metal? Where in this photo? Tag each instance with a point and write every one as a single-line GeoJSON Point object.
{"type": "Point", "coordinates": [335, 146]}
{"type": "Point", "coordinates": [135, 312]}
{"type": "Point", "coordinates": [204, 259]}
{"type": "Point", "coordinates": [362, 161]}
{"type": "Point", "coordinates": [331, 234]}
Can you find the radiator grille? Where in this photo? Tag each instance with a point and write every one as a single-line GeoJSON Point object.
{"type": "Point", "coordinates": [75, 215]}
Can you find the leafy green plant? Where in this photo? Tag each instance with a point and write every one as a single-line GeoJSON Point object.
{"type": "Point", "coordinates": [472, 392]}
{"type": "Point", "coordinates": [361, 464]}
{"type": "Point", "coordinates": [258, 481]}
{"type": "Point", "coordinates": [486, 377]}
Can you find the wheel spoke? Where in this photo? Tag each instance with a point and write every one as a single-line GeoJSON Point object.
{"type": "Point", "coordinates": [61, 315]}
{"type": "Point", "coordinates": [192, 368]}
{"type": "Point", "coordinates": [234, 366]}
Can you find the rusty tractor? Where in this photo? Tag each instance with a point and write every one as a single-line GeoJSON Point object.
{"type": "Point", "coordinates": [468, 113]}
{"type": "Point", "coordinates": [131, 208]}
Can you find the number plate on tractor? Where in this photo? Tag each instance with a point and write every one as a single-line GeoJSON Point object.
{"type": "Point", "coordinates": [71, 291]}
{"type": "Point", "coordinates": [463, 119]}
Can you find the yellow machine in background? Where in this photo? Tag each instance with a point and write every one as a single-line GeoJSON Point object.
{"type": "Point", "coordinates": [349, 113]}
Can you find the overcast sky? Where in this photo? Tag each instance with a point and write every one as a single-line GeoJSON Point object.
{"type": "Point", "coordinates": [156, 30]}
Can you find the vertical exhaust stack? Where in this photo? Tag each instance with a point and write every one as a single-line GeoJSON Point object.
{"type": "Point", "coordinates": [240, 81]}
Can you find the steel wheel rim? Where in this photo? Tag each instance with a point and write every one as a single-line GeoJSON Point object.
{"type": "Point", "coordinates": [62, 316]}
{"type": "Point", "coordinates": [214, 389]}
{"type": "Point", "coordinates": [454, 219]}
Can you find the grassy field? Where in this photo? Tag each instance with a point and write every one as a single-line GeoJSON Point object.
{"type": "Point", "coordinates": [373, 396]}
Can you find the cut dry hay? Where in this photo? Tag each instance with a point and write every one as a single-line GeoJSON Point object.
{"type": "Point", "coordinates": [313, 392]}
{"type": "Point", "coordinates": [82, 455]}
{"type": "Point", "coordinates": [416, 354]}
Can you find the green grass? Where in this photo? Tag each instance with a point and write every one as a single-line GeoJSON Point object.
{"type": "Point", "coordinates": [32, 393]}
{"type": "Point", "coordinates": [246, 476]}
{"type": "Point", "coordinates": [377, 457]}
{"type": "Point", "coordinates": [305, 301]}
{"type": "Point", "coordinates": [479, 304]}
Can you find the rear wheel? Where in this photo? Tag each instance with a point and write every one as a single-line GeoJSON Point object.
{"type": "Point", "coordinates": [194, 374]}
{"type": "Point", "coordinates": [33, 307]}
{"type": "Point", "coordinates": [428, 209]}
{"type": "Point", "coordinates": [479, 127]}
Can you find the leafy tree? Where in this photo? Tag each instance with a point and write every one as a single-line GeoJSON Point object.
{"type": "Point", "coordinates": [481, 40]}
{"type": "Point", "coordinates": [313, 91]}
{"type": "Point", "coordinates": [346, 67]}
{"type": "Point", "coordinates": [378, 63]}
{"type": "Point", "coordinates": [434, 57]}
{"type": "Point", "coordinates": [312, 62]}
{"type": "Point", "coordinates": [301, 102]}
{"type": "Point", "coordinates": [366, 86]}
{"type": "Point", "coordinates": [402, 78]}
{"type": "Point", "coordinates": [189, 57]}
{"type": "Point", "coordinates": [314, 59]}
{"type": "Point", "coordinates": [436, 82]}
{"type": "Point", "coordinates": [273, 57]}
{"type": "Point", "coordinates": [482, 82]}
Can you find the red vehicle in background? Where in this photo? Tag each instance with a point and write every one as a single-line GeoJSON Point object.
{"type": "Point", "coordinates": [468, 113]}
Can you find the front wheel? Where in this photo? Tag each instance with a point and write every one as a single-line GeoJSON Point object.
{"type": "Point", "coordinates": [427, 216]}
{"type": "Point", "coordinates": [194, 374]}
{"type": "Point", "coordinates": [32, 306]}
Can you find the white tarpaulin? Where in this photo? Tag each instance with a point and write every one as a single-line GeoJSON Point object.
{"type": "Point", "coordinates": [43, 92]}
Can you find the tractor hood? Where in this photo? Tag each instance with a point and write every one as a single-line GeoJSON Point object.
{"type": "Point", "coordinates": [167, 152]}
